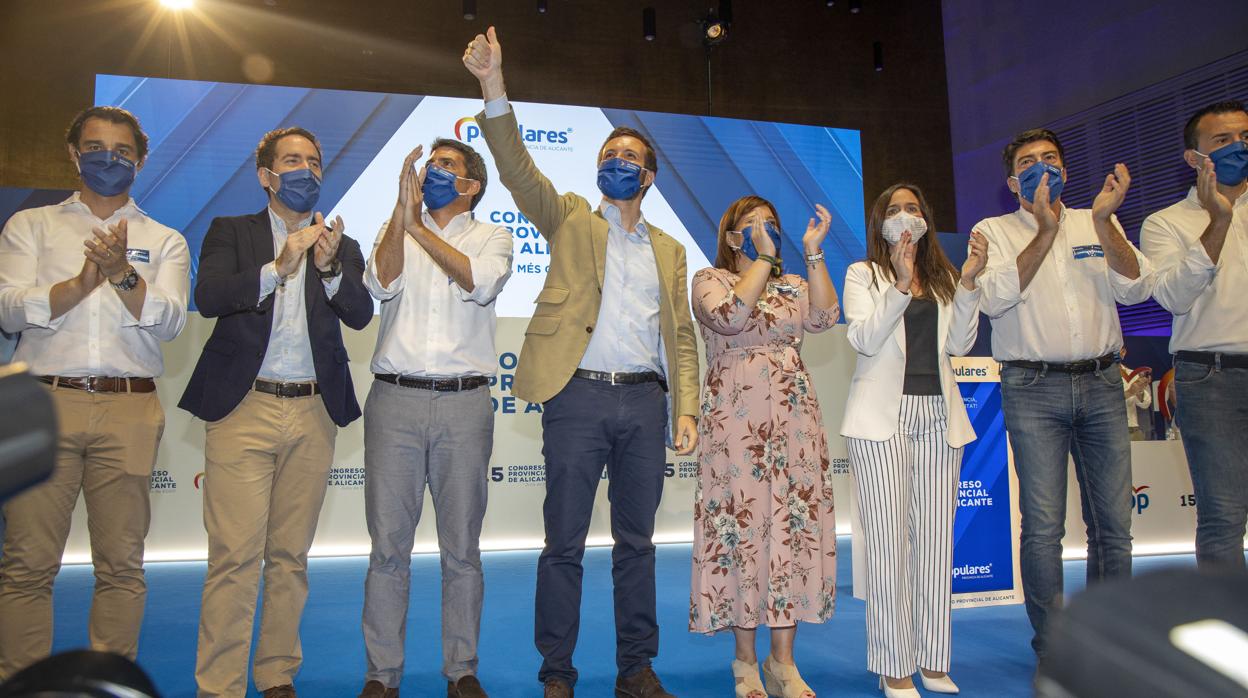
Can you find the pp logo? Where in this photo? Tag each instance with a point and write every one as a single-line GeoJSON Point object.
{"type": "Point", "coordinates": [1139, 499]}
{"type": "Point", "coordinates": [466, 129]}
{"type": "Point", "coordinates": [199, 479]}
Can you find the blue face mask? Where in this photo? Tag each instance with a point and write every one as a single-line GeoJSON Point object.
{"type": "Point", "coordinates": [439, 187]}
{"type": "Point", "coordinates": [1030, 179]}
{"type": "Point", "coordinates": [747, 246]}
{"type": "Point", "coordinates": [300, 190]}
{"type": "Point", "coordinates": [106, 172]}
{"type": "Point", "coordinates": [619, 179]}
{"type": "Point", "coordinates": [1230, 163]}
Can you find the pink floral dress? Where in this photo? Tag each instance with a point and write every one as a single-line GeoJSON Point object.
{"type": "Point", "coordinates": [764, 550]}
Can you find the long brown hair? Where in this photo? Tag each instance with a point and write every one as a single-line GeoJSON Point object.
{"type": "Point", "coordinates": [935, 273]}
{"type": "Point", "coordinates": [725, 256]}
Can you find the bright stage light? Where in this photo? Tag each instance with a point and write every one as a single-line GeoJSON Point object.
{"type": "Point", "coordinates": [177, 4]}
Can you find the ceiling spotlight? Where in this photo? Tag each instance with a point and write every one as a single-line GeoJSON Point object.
{"type": "Point", "coordinates": [715, 25]}
{"type": "Point", "coordinates": [855, 6]}
{"type": "Point", "coordinates": [648, 24]}
{"type": "Point", "coordinates": [829, 3]}
{"type": "Point", "coordinates": [714, 31]}
{"type": "Point", "coordinates": [470, 9]}
{"type": "Point", "coordinates": [177, 4]}
{"type": "Point", "coordinates": [541, 6]}
{"type": "Point", "coordinates": [878, 49]}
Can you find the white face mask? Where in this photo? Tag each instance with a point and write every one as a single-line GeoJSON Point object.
{"type": "Point", "coordinates": [900, 223]}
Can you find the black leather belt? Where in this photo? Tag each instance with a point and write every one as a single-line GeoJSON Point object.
{"type": "Point", "coordinates": [1086, 366]}
{"type": "Point", "coordinates": [442, 385]}
{"type": "Point", "coordinates": [287, 389]}
{"type": "Point", "coordinates": [618, 378]}
{"type": "Point", "coordinates": [1213, 358]}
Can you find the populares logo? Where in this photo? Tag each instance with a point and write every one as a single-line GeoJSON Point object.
{"type": "Point", "coordinates": [1139, 498]}
{"type": "Point", "coordinates": [199, 478]}
{"type": "Point", "coordinates": [972, 571]}
{"type": "Point", "coordinates": [467, 130]}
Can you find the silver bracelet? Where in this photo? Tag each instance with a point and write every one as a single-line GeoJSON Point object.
{"type": "Point", "coordinates": [813, 259]}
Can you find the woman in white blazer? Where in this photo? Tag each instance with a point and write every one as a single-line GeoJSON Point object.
{"type": "Point", "coordinates": [908, 311]}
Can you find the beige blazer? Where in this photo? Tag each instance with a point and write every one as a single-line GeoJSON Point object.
{"type": "Point", "coordinates": [567, 307]}
{"type": "Point", "coordinates": [875, 311]}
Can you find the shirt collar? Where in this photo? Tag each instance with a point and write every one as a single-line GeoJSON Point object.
{"type": "Point", "coordinates": [279, 225]}
{"type": "Point", "coordinates": [75, 199]}
{"type": "Point", "coordinates": [1194, 198]}
{"type": "Point", "coordinates": [611, 212]}
{"type": "Point", "coordinates": [458, 224]}
{"type": "Point", "coordinates": [1029, 219]}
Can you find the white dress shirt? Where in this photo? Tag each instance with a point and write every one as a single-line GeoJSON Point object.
{"type": "Point", "coordinates": [1067, 312]}
{"type": "Point", "coordinates": [289, 356]}
{"type": "Point", "coordinates": [431, 326]}
{"type": "Point", "coordinates": [629, 340]}
{"type": "Point", "coordinates": [42, 247]}
{"type": "Point", "coordinates": [1209, 301]}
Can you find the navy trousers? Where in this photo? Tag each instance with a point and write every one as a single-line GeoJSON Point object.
{"type": "Point", "coordinates": [586, 425]}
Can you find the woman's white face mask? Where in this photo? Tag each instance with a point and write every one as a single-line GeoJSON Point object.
{"type": "Point", "coordinates": [899, 223]}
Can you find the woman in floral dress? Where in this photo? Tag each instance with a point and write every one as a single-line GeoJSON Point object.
{"type": "Point", "coordinates": [764, 525]}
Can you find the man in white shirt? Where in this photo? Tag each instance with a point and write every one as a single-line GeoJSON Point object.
{"type": "Point", "coordinates": [272, 386]}
{"type": "Point", "coordinates": [1049, 289]}
{"type": "Point", "coordinates": [1200, 248]}
{"type": "Point", "coordinates": [94, 286]}
{"type": "Point", "coordinates": [428, 417]}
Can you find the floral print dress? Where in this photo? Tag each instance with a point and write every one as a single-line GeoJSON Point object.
{"type": "Point", "coordinates": [764, 550]}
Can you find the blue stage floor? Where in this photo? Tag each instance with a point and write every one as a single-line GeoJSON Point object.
{"type": "Point", "coordinates": [992, 656]}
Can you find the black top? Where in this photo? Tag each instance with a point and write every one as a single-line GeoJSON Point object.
{"type": "Point", "coordinates": [922, 371]}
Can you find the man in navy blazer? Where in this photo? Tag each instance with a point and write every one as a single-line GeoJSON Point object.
{"type": "Point", "coordinates": [273, 387]}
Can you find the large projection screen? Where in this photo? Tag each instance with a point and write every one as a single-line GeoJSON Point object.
{"type": "Point", "coordinates": [201, 166]}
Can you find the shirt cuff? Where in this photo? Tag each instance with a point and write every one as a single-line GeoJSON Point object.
{"type": "Point", "coordinates": [269, 281]}
{"type": "Point", "coordinates": [37, 304]}
{"type": "Point", "coordinates": [331, 286]}
{"type": "Point", "coordinates": [497, 107]}
{"type": "Point", "coordinates": [150, 314]}
{"type": "Point", "coordinates": [1198, 259]}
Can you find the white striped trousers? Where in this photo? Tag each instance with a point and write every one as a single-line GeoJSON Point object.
{"type": "Point", "coordinates": [907, 494]}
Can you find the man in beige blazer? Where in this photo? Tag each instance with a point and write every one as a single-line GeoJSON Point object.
{"type": "Point", "coordinates": [610, 335]}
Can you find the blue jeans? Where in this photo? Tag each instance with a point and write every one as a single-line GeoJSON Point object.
{"type": "Point", "coordinates": [1213, 419]}
{"type": "Point", "coordinates": [1049, 414]}
{"type": "Point", "coordinates": [587, 424]}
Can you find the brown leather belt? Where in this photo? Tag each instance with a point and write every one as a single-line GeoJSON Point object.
{"type": "Point", "coordinates": [102, 384]}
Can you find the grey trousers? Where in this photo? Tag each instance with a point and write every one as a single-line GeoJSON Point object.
{"type": "Point", "coordinates": [413, 437]}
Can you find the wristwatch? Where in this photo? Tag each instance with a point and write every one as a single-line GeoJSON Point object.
{"type": "Point", "coordinates": [128, 282]}
{"type": "Point", "coordinates": [334, 270]}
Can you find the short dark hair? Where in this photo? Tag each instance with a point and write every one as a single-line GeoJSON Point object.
{"type": "Point", "coordinates": [473, 164]}
{"type": "Point", "coordinates": [116, 115]}
{"type": "Point", "coordinates": [1190, 137]}
{"type": "Point", "coordinates": [1029, 136]}
{"type": "Point", "coordinates": [652, 158]}
{"type": "Point", "coordinates": [266, 151]}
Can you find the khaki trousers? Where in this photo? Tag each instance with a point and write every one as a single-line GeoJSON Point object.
{"type": "Point", "coordinates": [106, 448]}
{"type": "Point", "coordinates": [265, 473]}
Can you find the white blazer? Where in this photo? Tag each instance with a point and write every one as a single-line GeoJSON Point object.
{"type": "Point", "coordinates": [875, 312]}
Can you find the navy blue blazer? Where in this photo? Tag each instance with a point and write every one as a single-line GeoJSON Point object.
{"type": "Point", "coordinates": [227, 286]}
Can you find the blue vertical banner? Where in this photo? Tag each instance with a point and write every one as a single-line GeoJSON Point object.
{"type": "Point", "coordinates": [982, 545]}
{"type": "Point", "coordinates": [985, 540]}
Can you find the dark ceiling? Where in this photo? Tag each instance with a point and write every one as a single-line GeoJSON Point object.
{"type": "Point", "coordinates": [784, 60]}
